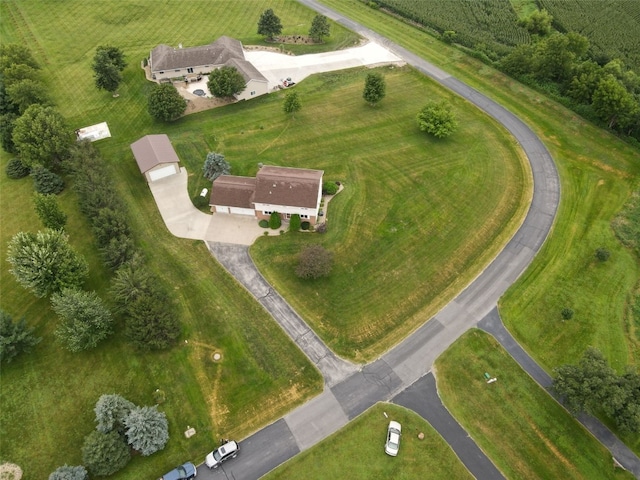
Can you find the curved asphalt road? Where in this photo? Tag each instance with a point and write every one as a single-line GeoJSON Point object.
{"type": "Point", "coordinates": [400, 375]}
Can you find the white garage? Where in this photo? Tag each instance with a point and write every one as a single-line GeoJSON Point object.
{"type": "Point", "coordinates": [231, 194]}
{"type": "Point", "coordinates": [155, 157]}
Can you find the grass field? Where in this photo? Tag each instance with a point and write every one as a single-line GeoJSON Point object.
{"type": "Point", "coordinates": [524, 431]}
{"type": "Point", "coordinates": [598, 174]}
{"type": "Point", "coordinates": [357, 452]}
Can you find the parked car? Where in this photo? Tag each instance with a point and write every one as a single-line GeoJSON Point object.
{"type": "Point", "coordinates": [184, 471]}
{"type": "Point", "coordinates": [393, 439]}
{"type": "Point", "coordinates": [221, 454]}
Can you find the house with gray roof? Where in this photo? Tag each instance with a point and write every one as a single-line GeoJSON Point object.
{"type": "Point", "coordinates": [284, 190]}
{"type": "Point", "coordinates": [167, 63]}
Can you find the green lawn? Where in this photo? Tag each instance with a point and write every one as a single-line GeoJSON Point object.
{"type": "Point", "coordinates": [357, 452]}
{"type": "Point", "coordinates": [598, 173]}
{"type": "Point", "coordinates": [522, 429]}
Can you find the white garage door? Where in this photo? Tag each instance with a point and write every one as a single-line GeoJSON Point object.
{"type": "Point", "coordinates": [242, 211]}
{"type": "Point", "coordinates": [162, 172]}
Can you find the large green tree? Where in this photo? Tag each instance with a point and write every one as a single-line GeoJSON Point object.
{"type": "Point", "coordinates": [269, 24]}
{"type": "Point", "coordinates": [614, 104]}
{"type": "Point", "coordinates": [147, 430]}
{"type": "Point", "coordinates": [105, 453]}
{"type": "Point", "coordinates": [438, 119]}
{"type": "Point", "coordinates": [85, 320]}
{"type": "Point", "coordinates": [108, 64]}
{"type": "Point", "coordinates": [41, 136]}
{"type": "Point", "coordinates": [15, 337]}
{"type": "Point", "coordinates": [214, 166]}
{"type": "Point", "coordinates": [319, 28]}
{"type": "Point", "coordinates": [226, 82]}
{"type": "Point", "coordinates": [374, 88]}
{"type": "Point", "coordinates": [50, 213]}
{"type": "Point", "coordinates": [15, 53]}
{"type": "Point", "coordinates": [165, 103]}
{"type": "Point", "coordinates": [28, 92]}
{"type": "Point", "coordinates": [45, 262]}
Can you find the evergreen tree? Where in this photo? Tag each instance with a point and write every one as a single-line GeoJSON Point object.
{"type": "Point", "coordinates": [105, 453]}
{"type": "Point", "coordinates": [374, 88]}
{"type": "Point", "coordinates": [215, 165]}
{"type": "Point", "coordinates": [67, 472]}
{"type": "Point", "coordinates": [15, 338]}
{"type": "Point", "coordinates": [147, 430]}
{"type": "Point", "coordinates": [49, 211]}
{"type": "Point", "coordinates": [269, 24]}
{"type": "Point", "coordinates": [111, 411]}
{"type": "Point", "coordinates": [319, 28]}
{"type": "Point", "coordinates": [292, 103]}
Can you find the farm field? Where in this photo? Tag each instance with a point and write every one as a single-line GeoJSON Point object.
{"type": "Point", "coordinates": [524, 431]}
{"type": "Point", "coordinates": [598, 174]}
{"type": "Point", "coordinates": [360, 446]}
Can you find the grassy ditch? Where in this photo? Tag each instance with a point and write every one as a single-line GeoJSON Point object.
{"type": "Point", "coordinates": [518, 424]}
{"type": "Point", "coordinates": [357, 451]}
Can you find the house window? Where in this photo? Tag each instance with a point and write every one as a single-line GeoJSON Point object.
{"type": "Point", "coordinates": [304, 216]}
{"type": "Point", "coordinates": [267, 213]}
{"type": "Point", "coordinates": [253, 93]}
{"type": "Point", "coordinates": [189, 70]}
{"type": "Point", "coordinates": [161, 73]}
{"type": "Point", "coordinates": [288, 215]}
{"type": "Point", "coordinates": [177, 70]}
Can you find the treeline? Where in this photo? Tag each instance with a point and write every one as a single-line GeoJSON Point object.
{"type": "Point", "coordinates": [44, 262]}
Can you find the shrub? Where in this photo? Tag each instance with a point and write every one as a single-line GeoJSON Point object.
{"type": "Point", "coordinates": [15, 337]}
{"type": "Point", "coordinates": [16, 169]}
{"type": "Point", "coordinates": [602, 254]}
{"type": "Point", "coordinates": [46, 182]}
{"type": "Point", "coordinates": [294, 223]}
{"type": "Point", "coordinates": [275, 221]}
{"type": "Point", "coordinates": [67, 472]}
{"type": "Point", "coordinates": [264, 223]}
{"type": "Point", "coordinates": [147, 430]}
{"type": "Point", "coordinates": [200, 202]}
{"type": "Point", "coordinates": [305, 225]}
{"type": "Point", "coordinates": [314, 262]}
{"type": "Point", "coordinates": [567, 313]}
{"type": "Point", "coordinates": [329, 188]}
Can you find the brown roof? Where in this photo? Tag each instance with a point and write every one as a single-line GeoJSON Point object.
{"type": "Point", "coordinates": [296, 187]}
{"type": "Point", "coordinates": [152, 150]}
{"type": "Point", "coordinates": [164, 57]}
{"type": "Point", "coordinates": [233, 191]}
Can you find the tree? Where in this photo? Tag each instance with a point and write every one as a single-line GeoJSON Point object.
{"type": "Point", "coordinates": [319, 28]}
{"type": "Point", "coordinates": [105, 453]}
{"type": "Point", "coordinates": [437, 119]}
{"type": "Point", "coordinates": [613, 103]}
{"type": "Point", "coordinates": [15, 338]}
{"type": "Point", "coordinates": [226, 82]}
{"type": "Point", "coordinates": [132, 281]}
{"type": "Point", "coordinates": [152, 323]}
{"type": "Point", "coordinates": [85, 319]}
{"type": "Point", "coordinates": [15, 53]}
{"type": "Point", "coordinates": [294, 223]}
{"type": "Point", "coordinates": [449, 36]}
{"type": "Point", "coordinates": [269, 24]}
{"type": "Point", "coordinates": [314, 262]}
{"type": "Point", "coordinates": [622, 402]}
{"type": "Point", "coordinates": [275, 221]}
{"type": "Point", "coordinates": [215, 165]}
{"type": "Point", "coordinates": [7, 124]}
{"type": "Point", "coordinates": [585, 386]}
{"type": "Point", "coordinates": [49, 211]}
{"type": "Point", "coordinates": [28, 92]}
{"type": "Point", "coordinates": [538, 23]}
{"type": "Point", "coordinates": [16, 169]}
{"type": "Point", "coordinates": [118, 251]}
{"type": "Point", "coordinates": [108, 64]}
{"type": "Point", "coordinates": [556, 56]}
{"type": "Point", "coordinates": [67, 472]}
{"type": "Point", "coordinates": [41, 136]}
{"type": "Point", "coordinates": [147, 430]}
{"type": "Point", "coordinates": [111, 411]}
{"type": "Point", "coordinates": [586, 77]}
{"type": "Point", "coordinates": [291, 103]}
{"type": "Point", "coordinates": [45, 262]}
{"type": "Point", "coordinates": [374, 88]}
{"type": "Point", "coordinates": [45, 181]}
{"type": "Point", "coordinates": [165, 103]}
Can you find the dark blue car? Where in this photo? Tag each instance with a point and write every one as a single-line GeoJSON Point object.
{"type": "Point", "coordinates": [184, 471]}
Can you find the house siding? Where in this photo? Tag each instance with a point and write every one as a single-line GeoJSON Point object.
{"type": "Point", "coordinates": [254, 88]}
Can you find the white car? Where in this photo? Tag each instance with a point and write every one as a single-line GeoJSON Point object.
{"type": "Point", "coordinates": [393, 439]}
{"type": "Point", "coordinates": [221, 454]}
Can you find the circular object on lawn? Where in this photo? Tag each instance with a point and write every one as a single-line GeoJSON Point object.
{"type": "Point", "coordinates": [421, 436]}
{"type": "Point", "coordinates": [10, 471]}
{"type": "Point", "coordinates": [217, 357]}
{"type": "Point", "coordinates": [199, 92]}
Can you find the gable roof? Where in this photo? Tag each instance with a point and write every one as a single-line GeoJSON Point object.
{"type": "Point", "coordinates": [246, 69]}
{"type": "Point", "coordinates": [164, 57]}
{"type": "Point", "coordinates": [287, 186]}
{"type": "Point", "coordinates": [233, 191]}
{"type": "Point", "coordinates": [152, 150]}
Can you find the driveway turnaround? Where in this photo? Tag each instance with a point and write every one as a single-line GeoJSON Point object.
{"type": "Point", "coordinates": [185, 221]}
{"type": "Point", "coordinates": [277, 67]}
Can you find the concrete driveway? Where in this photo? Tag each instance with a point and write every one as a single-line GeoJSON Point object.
{"type": "Point", "coordinates": [186, 221]}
